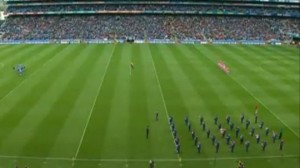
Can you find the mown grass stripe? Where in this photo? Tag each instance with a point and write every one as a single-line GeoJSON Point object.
{"type": "Point", "coordinates": [18, 108]}
{"type": "Point", "coordinates": [119, 109]}
{"type": "Point", "coordinates": [274, 114]}
{"type": "Point", "coordinates": [281, 92]}
{"type": "Point", "coordinates": [163, 100]}
{"type": "Point", "coordinates": [138, 107]}
{"type": "Point", "coordinates": [32, 64]}
{"type": "Point", "coordinates": [50, 125]}
{"type": "Point", "coordinates": [93, 143]}
{"type": "Point", "coordinates": [278, 62]}
{"type": "Point", "coordinates": [236, 100]}
{"type": "Point", "coordinates": [10, 51]}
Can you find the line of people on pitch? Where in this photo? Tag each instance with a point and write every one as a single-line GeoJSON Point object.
{"type": "Point", "coordinates": [227, 136]}
{"type": "Point", "coordinates": [175, 134]}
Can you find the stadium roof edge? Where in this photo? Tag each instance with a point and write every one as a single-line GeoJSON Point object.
{"type": "Point", "coordinates": [235, 1]}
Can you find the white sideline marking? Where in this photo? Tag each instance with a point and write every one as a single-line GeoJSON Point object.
{"type": "Point", "coordinates": [145, 160]}
{"type": "Point", "coordinates": [94, 103]}
{"type": "Point", "coordinates": [247, 90]}
{"type": "Point", "coordinates": [164, 103]}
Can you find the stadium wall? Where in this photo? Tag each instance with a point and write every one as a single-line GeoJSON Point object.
{"type": "Point", "coordinates": [152, 41]}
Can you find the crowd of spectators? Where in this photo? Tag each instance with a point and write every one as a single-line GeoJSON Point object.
{"type": "Point", "coordinates": [147, 27]}
{"type": "Point", "coordinates": [202, 8]}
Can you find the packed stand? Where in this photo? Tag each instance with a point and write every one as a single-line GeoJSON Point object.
{"type": "Point", "coordinates": [202, 8]}
{"type": "Point", "coordinates": [148, 27]}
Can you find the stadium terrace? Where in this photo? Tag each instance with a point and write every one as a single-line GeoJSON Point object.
{"type": "Point", "coordinates": [145, 21]}
{"type": "Point", "coordinates": [149, 84]}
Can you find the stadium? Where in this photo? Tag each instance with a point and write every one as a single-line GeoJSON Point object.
{"type": "Point", "coordinates": [149, 83]}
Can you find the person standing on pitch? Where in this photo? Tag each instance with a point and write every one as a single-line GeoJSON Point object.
{"type": "Point", "coordinates": [193, 134]}
{"type": "Point", "coordinates": [201, 120]}
{"type": "Point", "coordinates": [216, 119]}
{"type": "Point", "coordinates": [241, 164]}
{"type": "Point", "coordinates": [223, 132]}
{"type": "Point", "coordinates": [242, 117]}
{"type": "Point", "coordinates": [177, 140]}
{"type": "Point", "coordinates": [264, 145]}
{"type": "Point", "coordinates": [208, 133]}
{"type": "Point", "coordinates": [173, 126]}
{"type": "Point", "coordinates": [189, 126]}
{"type": "Point", "coordinates": [132, 65]}
{"type": "Point", "coordinates": [256, 117]}
{"type": "Point", "coordinates": [267, 131]}
{"type": "Point", "coordinates": [175, 132]}
{"type": "Point", "coordinates": [156, 116]}
{"type": "Point", "coordinates": [281, 144]}
{"type": "Point", "coordinates": [220, 125]}
{"type": "Point", "coordinates": [280, 134]}
{"type": "Point", "coordinates": [147, 132]}
{"type": "Point", "coordinates": [213, 139]}
{"type": "Point", "coordinates": [237, 131]}
{"type": "Point", "coordinates": [217, 147]}
{"type": "Point", "coordinates": [252, 131]}
{"type": "Point", "coordinates": [231, 126]}
{"type": "Point", "coordinates": [274, 136]}
{"type": "Point", "coordinates": [232, 146]}
{"type": "Point", "coordinates": [257, 136]}
{"type": "Point", "coordinates": [186, 120]}
{"type": "Point", "coordinates": [242, 139]}
{"type": "Point", "coordinates": [247, 123]}
{"type": "Point", "coordinates": [170, 119]}
{"type": "Point", "coordinates": [228, 137]}
{"type": "Point", "coordinates": [247, 145]}
{"type": "Point", "coordinates": [228, 119]}
{"type": "Point", "coordinates": [261, 125]}
{"type": "Point", "coordinates": [151, 164]}
{"type": "Point", "coordinates": [203, 125]}
{"type": "Point", "coordinates": [196, 140]}
{"type": "Point", "coordinates": [256, 113]}
{"type": "Point", "coordinates": [199, 147]}
{"type": "Point", "coordinates": [178, 148]}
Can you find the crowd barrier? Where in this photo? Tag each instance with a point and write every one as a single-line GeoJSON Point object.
{"type": "Point", "coordinates": [162, 41]}
{"type": "Point", "coordinates": [152, 41]}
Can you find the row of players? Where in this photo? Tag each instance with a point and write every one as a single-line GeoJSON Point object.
{"type": "Point", "coordinates": [224, 133]}
{"type": "Point", "coordinates": [232, 144]}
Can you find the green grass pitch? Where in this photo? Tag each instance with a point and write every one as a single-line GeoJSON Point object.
{"type": "Point", "coordinates": [81, 106]}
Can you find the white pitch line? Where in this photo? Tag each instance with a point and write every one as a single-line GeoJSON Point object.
{"type": "Point", "coordinates": [164, 103]}
{"type": "Point", "coordinates": [146, 160]}
{"type": "Point", "coordinates": [35, 158]}
{"type": "Point", "coordinates": [247, 90]}
{"type": "Point", "coordinates": [94, 103]}
{"type": "Point", "coordinates": [244, 157]}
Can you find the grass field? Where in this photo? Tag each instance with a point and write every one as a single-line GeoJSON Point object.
{"type": "Point", "coordinates": [82, 106]}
